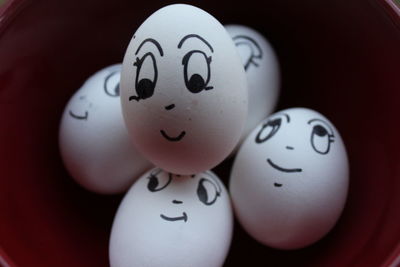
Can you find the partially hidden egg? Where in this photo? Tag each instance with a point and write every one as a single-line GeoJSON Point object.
{"type": "Point", "coordinates": [94, 143]}
{"type": "Point", "coordinates": [262, 71]}
{"type": "Point", "coordinates": [172, 221]}
{"type": "Point", "coordinates": [183, 90]}
{"type": "Point", "coordinates": [289, 181]}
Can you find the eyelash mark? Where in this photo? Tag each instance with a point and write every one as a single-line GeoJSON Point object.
{"type": "Point", "coordinates": [138, 63]}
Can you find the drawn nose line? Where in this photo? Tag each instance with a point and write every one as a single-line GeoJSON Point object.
{"type": "Point", "coordinates": [177, 201]}
{"type": "Point", "coordinates": [290, 147]}
{"type": "Point", "coordinates": [169, 107]}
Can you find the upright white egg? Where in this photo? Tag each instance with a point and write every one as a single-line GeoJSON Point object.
{"type": "Point", "coordinates": [168, 220]}
{"type": "Point", "coordinates": [262, 71]}
{"type": "Point", "coordinates": [290, 179]}
{"type": "Point", "coordinates": [94, 143]}
{"type": "Point", "coordinates": [183, 90]}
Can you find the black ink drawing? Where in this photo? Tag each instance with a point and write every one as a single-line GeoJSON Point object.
{"type": "Point", "coordinates": [79, 117]}
{"type": "Point", "coordinates": [145, 87]}
{"type": "Point", "coordinates": [196, 82]}
{"type": "Point", "coordinates": [173, 139]}
{"type": "Point", "coordinates": [256, 52]}
{"type": "Point", "coordinates": [111, 90]}
{"type": "Point", "coordinates": [323, 145]}
{"type": "Point", "coordinates": [275, 166]}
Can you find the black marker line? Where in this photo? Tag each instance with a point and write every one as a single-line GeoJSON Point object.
{"type": "Point", "coordinates": [177, 201]}
{"type": "Point", "coordinates": [326, 124]}
{"type": "Point", "coordinates": [153, 42]}
{"type": "Point", "coordinates": [283, 169]}
{"type": "Point", "coordinates": [78, 117]}
{"type": "Point", "coordinates": [254, 55]}
{"type": "Point", "coordinates": [172, 219]}
{"type": "Point", "coordinates": [173, 139]}
{"type": "Point", "coordinates": [116, 87]}
{"type": "Point", "coordinates": [277, 185]}
{"type": "Point", "coordinates": [169, 107]}
{"type": "Point", "coordinates": [195, 36]}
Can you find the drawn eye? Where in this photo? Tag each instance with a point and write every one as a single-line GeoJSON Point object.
{"type": "Point", "coordinates": [111, 84]}
{"type": "Point", "coordinates": [321, 139]}
{"type": "Point", "coordinates": [208, 191]}
{"type": "Point", "coordinates": [268, 130]}
{"type": "Point", "coordinates": [196, 71]}
{"type": "Point", "coordinates": [249, 50]}
{"type": "Point", "coordinates": [158, 182]}
{"type": "Point", "coordinates": [146, 76]}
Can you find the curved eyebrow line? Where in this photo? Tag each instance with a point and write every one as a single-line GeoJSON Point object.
{"type": "Point", "coordinates": [153, 42]}
{"type": "Point", "coordinates": [195, 36]}
{"type": "Point", "coordinates": [324, 122]}
{"type": "Point", "coordinates": [251, 40]}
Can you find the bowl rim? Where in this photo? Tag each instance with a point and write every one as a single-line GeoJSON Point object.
{"type": "Point", "coordinates": [12, 8]}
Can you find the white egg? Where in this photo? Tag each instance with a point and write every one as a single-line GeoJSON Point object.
{"type": "Point", "coordinates": [94, 143]}
{"type": "Point", "coordinates": [290, 178]}
{"type": "Point", "coordinates": [262, 71]}
{"type": "Point", "coordinates": [183, 90]}
{"type": "Point", "coordinates": [168, 220]}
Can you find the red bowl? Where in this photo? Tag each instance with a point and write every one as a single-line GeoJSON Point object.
{"type": "Point", "coordinates": [339, 57]}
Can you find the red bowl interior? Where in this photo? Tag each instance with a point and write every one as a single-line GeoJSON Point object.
{"type": "Point", "coordinates": [339, 57]}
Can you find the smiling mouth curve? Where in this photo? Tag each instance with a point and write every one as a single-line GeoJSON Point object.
{"type": "Point", "coordinates": [173, 139]}
{"type": "Point", "coordinates": [283, 169]}
{"type": "Point", "coordinates": [173, 219]}
{"type": "Point", "coordinates": [79, 117]}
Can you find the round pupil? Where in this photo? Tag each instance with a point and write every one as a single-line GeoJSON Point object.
{"type": "Point", "coordinates": [145, 88]}
{"type": "Point", "coordinates": [153, 183]}
{"type": "Point", "coordinates": [196, 83]}
{"type": "Point", "coordinates": [320, 131]}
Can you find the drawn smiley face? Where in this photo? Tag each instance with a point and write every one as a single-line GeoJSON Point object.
{"type": "Point", "coordinates": [84, 100]}
{"type": "Point", "coordinates": [316, 130]}
{"type": "Point", "coordinates": [208, 189]}
{"type": "Point", "coordinates": [180, 100]}
{"type": "Point", "coordinates": [94, 142]}
{"type": "Point", "coordinates": [289, 181]}
{"type": "Point", "coordinates": [165, 217]}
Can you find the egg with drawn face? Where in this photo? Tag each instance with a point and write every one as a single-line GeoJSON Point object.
{"type": "Point", "coordinates": [290, 178]}
{"type": "Point", "coordinates": [183, 90]}
{"type": "Point", "coordinates": [262, 71]}
{"type": "Point", "coordinates": [94, 143]}
{"type": "Point", "coordinates": [171, 221]}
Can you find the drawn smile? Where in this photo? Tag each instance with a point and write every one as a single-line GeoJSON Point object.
{"type": "Point", "coordinates": [173, 139]}
{"type": "Point", "coordinates": [273, 165]}
{"type": "Point", "coordinates": [277, 185]}
{"type": "Point", "coordinates": [172, 219]}
{"type": "Point", "coordinates": [79, 117]}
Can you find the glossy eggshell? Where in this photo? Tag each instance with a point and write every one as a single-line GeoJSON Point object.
{"type": "Point", "coordinates": [172, 221]}
{"type": "Point", "coordinates": [290, 179]}
{"type": "Point", "coordinates": [262, 71]}
{"type": "Point", "coordinates": [94, 143]}
{"type": "Point", "coordinates": [183, 90]}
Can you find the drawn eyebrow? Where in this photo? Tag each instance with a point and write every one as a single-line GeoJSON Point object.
{"type": "Point", "coordinates": [153, 42]}
{"type": "Point", "coordinates": [324, 122]}
{"type": "Point", "coordinates": [195, 36]}
{"type": "Point", "coordinates": [251, 40]}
